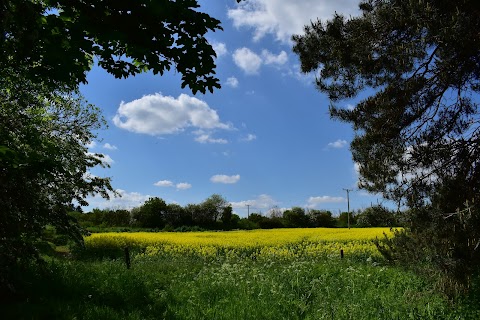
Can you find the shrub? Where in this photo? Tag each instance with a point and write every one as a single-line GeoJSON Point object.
{"type": "Point", "coordinates": [434, 242]}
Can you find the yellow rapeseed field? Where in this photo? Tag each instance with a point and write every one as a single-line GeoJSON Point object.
{"type": "Point", "coordinates": [260, 244]}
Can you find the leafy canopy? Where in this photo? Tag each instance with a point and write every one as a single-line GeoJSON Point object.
{"type": "Point", "coordinates": [44, 165]}
{"type": "Point", "coordinates": [60, 39]}
{"type": "Point", "coordinates": [414, 67]}
{"type": "Point", "coordinates": [46, 49]}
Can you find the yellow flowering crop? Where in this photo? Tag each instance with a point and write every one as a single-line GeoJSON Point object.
{"type": "Point", "coordinates": [258, 244]}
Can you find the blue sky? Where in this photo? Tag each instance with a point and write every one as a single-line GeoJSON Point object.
{"type": "Point", "coordinates": [265, 139]}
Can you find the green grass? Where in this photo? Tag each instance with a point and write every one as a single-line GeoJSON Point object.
{"type": "Point", "coordinates": [191, 288]}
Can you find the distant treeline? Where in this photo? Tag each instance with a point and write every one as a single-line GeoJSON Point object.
{"type": "Point", "coordinates": [215, 213]}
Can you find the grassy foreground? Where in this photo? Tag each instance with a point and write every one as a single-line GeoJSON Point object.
{"type": "Point", "coordinates": [194, 285]}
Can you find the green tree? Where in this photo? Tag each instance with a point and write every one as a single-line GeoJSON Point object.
{"type": "Point", "coordinates": [44, 166]}
{"type": "Point", "coordinates": [342, 220]}
{"type": "Point", "coordinates": [414, 68]}
{"type": "Point", "coordinates": [46, 49]}
{"type": "Point", "coordinates": [58, 41]}
{"type": "Point", "coordinates": [177, 216]}
{"type": "Point", "coordinates": [97, 217]}
{"type": "Point", "coordinates": [195, 211]}
{"type": "Point", "coordinates": [227, 214]}
{"type": "Point", "coordinates": [295, 218]}
{"type": "Point", "coordinates": [213, 207]}
{"type": "Point", "coordinates": [273, 222]}
{"type": "Point", "coordinates": [246, 224]}
{"type": "Point", "coordinates": [418, 128]}
{"type": "Point", "coordinates": [117, 218]}
{"type": "Point", "coordinates": [255, 217]}
{"type": "Point", "coordinates": [376, 216]}
{"type": "Point", "coordinates": [234, 221]}
{"type": "Point", "coordinates": [151, 214]}
{"type": "Point", "coordinates": [321, 218]}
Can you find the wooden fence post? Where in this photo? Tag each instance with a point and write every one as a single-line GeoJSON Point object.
{"type": "Point", "coordinates": [127, 257]}
{"type": "Point", "coordinates": [341, 253]}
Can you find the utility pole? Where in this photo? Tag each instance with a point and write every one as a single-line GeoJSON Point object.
{"type": "Point", "coordinates": [348, 204]}
{"type": "Point", "coordinates": [248, 212]}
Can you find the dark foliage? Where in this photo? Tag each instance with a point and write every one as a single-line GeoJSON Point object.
{"type": "Point", "coordinates": [420, 127]}
{"type": "Point", "coordinates": [416, 65]}
{"type": "Point", "coordinates": [321, 218]}
{"type": "Point", "coordinates": [376, 216]}
{"type": "Point", "coordinates": [60, 40]}
{"type": "Point", "coordinates": [450, 242]}
{"type": "Point", "coordinates": [43, 166]}
{"type": "Point", "coordinates": [295, 218]}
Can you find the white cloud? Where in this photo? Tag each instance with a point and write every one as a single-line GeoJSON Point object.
{"type": "Point", "coordinates": [220, 48]}
{"type": "Point", "coordinates": [206, 138]}
{"type": "Point", "coordinates": [168, 183]}
{"type": "Point", "coordinates": [89, 176]}
{"type": "Point", "coordinates": [283, 18]}
{"type": "Point", "coordinates": [338, 144]}
{"type": "Point", "coordinates": [276, 212]}
{"type": "Point", "coordinates": [356, 168]}
{"type": "Point", "coordinates": [156, 114]}
{"type": "Point", "coordinates": [163, 183]}
{"type": "Point", "coordinates": [294, 71]}
{"type": "Point", "coordinates": [105, 158]}
{"type": "Point", "coordinates": [232, 82]}
{"type": "Point", "coordinates": [263, 201]}
{"type": "Point", "coordinates": [314, 201]}
{"type": "Point", "coordinates": [247, 60]}
{"type": "Point", "coordinates": [92, 144]}
{"type": "Point", "coordinates": [250, 62]}
{"type": "Point", "coordinates": [183, 186]}
{"type": "Point", "coordinates": [221, 178]}
{"type": "Point", "coordinates": [270, 58]}
{"type": "Point", "coordinates": [249, 137]}
{"type": "Point", "coordinates": [109, 146]}
{"type": "Point", "coordinates": [127, 200]}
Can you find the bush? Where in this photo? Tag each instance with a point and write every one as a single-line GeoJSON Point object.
{"type": "Point", "coordinates": [246, 224]}
{"type": "Point", "coordinates": [188, 229]}
{"type": "Point", "coordinates": [376, 216]}
{"type": "Point", "coordinates": [437, 243]}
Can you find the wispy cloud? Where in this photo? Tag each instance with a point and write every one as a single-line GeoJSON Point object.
{"type": "Point", "coordinates": [270, 58]}
{"type": "Point", "coordinates": [338, 144]}
{"type": "Point", "coordinates": [163, 183]}
{"type": "Point", "coordinates": [206, 138]}
{"type": "Point", "coordinates": [312, 202]}
{"type": "Point", "coordinates": [263, 201]}
{"type": "Point", "coordinates": [183, 186]}
{"type": "Point", "coordinates": [232, 82]}
{"type": "Point", "coordinates": [221, 178]}
{"type": "Point", "coordinates": [126, 200]}
{"type": "Point", "coordinates": [247, 60]}
{"type": "Point", "coordinates": [91, 145]}
{"type": "Point", "coordinates": [109, 146]}
{"type": "Point", "coordinates": [283, 18]}
{"type": "Point", "coordinates": [249, 137]}
{"type": "Point", "coordinates": [168, 183]}
{"type": "Point", "coordinates": [105, 158]}
{"type": "Point", "coordinates": [220, 48]}
{"type": "Point", "coordinates": [250, 62]}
